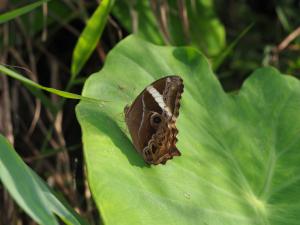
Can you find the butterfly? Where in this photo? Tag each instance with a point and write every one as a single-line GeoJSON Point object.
{"type": "Point", "coordinates": [151, 120]}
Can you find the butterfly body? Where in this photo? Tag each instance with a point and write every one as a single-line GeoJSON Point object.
{"type": "Point", "coordinates": [151, 120]}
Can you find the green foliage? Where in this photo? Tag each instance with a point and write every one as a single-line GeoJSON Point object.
{"type": "Point", "coordinates": [192, 23]}
{"type": "Point", "coordinates": [89, 38]}
{"type": "Point", "coordinates": [30, 192]}
{"type": "Point", "coordinates": [20, 11]}
{"type": "Point", "coordinates": [32, 19]}
{"type": "Point", "coordinates": [29, 82]}
{"type": "Point", "coordinates": [240, 153]}
{"type": "Point", "coordinates": [240, 158]}
{"type": "Point", "coordinates": [229, 49]}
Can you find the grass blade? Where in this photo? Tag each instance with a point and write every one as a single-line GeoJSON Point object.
{"type": "Point", "coordinates": [88, 39]}
{"type": "Point", "coordinates": [29, 82]}
{"type": "Point", "coordinates": [20, 11]}
{"type": "Point", "coordinates": [220, 59]}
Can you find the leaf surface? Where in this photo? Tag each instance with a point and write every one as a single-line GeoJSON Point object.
{"type": "Point", "coordinates": [30, 192]}
{"type": "Point", "coordinates": [240, 153]}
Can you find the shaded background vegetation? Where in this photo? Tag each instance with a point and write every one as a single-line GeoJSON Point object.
{"type": "Point", "coordinates": [43, 127]}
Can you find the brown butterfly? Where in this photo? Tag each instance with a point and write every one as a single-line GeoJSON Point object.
{"type": "Point", "coordinates": [151, 120]}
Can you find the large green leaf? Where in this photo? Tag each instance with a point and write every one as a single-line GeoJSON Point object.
{"type": "Point", "coordinates": [240, 160]}
{"type": "Point", "coordinates": [30, 192]}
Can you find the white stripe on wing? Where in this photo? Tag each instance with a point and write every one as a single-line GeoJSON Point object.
{"type": "Point", "coordinates": [159, 99]}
